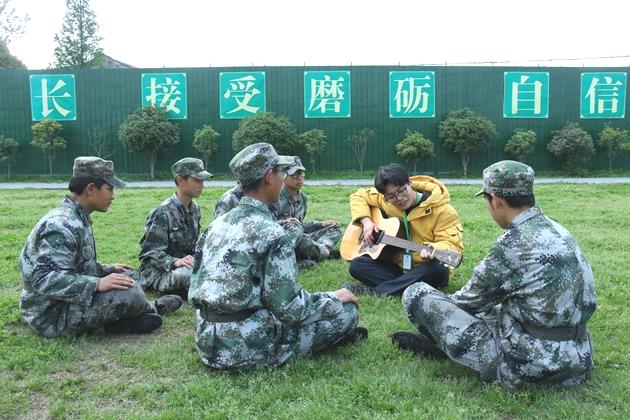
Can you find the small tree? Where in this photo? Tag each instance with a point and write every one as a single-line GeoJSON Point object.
{"type": "Point", "coordinates": [78, 41]}
{"type": "Point", "coordinates": [414, 147]}
{"type": "Point", "coordinates": [573, 146]}
{"type": "Point", "coordinates": [205, 141]}
{"type": "Point", "coordinates": [359, 143]}
{"type": "Point", "coordinates": [8, 147]}
{"type": "Point", "coordinates": [266, 127]}
{"type": "Point", "coordinates": [147, 129]}
{"type": "Point", "coordinates": [521, 144]}
{"type": "Point", "coordinates": [46, 137]}
{"type": "Point", "coordinates": [613, 141]}
{"type": "Point", "coordinates": [100, 145]}
{"type": "Point", "coordinates": [314, 141]}
{"type": "Point", "coordinates": [466, 133]}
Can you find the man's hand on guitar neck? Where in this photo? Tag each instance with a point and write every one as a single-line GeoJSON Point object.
{"type": "Point", "coordinates": [369, 228]}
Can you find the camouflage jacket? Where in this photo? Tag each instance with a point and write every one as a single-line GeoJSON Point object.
{"type": "Point", "coordinates": [247, 263]}
{"type": "Point", "coordinates": [58, 266]}
{"type": "Point", "coordinates": [534, 274]}
{"type": "Point", "coordinates": [170, 233]}
{"type": "Point", "coordinates": [288, 206]}
{"type": "Point", "coordinates": [228, 201]}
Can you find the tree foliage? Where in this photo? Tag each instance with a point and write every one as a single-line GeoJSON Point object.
{"type": "Point", "coordinates": [8, 60]}
{"type": "Point", "coordinates": [8, 148]}
{"type": "Point", "coordinates": [613, 141]}
{"type": "Point", "coordinates": [521, 144]}
{"type": "Point", "coordinates": [47, 138]}
{"type": "Point", "coordinates": [466, 133]}
{"type": "Point", "coordinates": [147, 129]}
{"type": "Point", "coordinates": [78, 41]}
{"type": "Point", "coordinates": [359, 143]}
{"type": "Point", "coordinates": [314, 141]}
{"type": "Point", "coordinates": [572, 146]}
{"type": "Point", "coordinates": [414, 147]}
{"type": "Point", "coordinates": [266, 127]}
{"type": "Point", "coordinates": [11, 24]}
{"type": "Point", "coordinates": [205, 141]}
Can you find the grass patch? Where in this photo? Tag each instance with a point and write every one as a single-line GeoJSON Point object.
{"type": "Point", "coordinates": [160, 375]}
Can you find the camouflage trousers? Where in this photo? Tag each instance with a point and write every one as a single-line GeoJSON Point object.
{"type": "Point", "coordinates": [465, 338]}
{"type": "Point", "coordinates": [262, 340]}
{"type": "Point", "coordinates": [312, 246]}
{"type": "Point", "coordinates": [166, 281]}
{"type": "Point", "coordinates": [107, 307]}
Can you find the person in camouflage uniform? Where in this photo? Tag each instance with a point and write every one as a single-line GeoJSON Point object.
{"type": "Point", "coordinates": [319, 238]}
{"type": "Point", "coordinates": [521, 318]}
{"type": "Point", "coordinates": [251, 311]}
{"type": "Point", "coordinates": [171, 230]}
{"type": "Point", "coordinates": [66, 290]}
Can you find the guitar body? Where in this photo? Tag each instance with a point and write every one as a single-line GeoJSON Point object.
{"type": "Point", "coordinates": [352, 244]}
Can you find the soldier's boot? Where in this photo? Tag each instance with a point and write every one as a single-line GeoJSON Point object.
{"type": "Point", "coordinates": [167, 304]}
{"type": "Point", "coordinates": [304, 264]}
{"type": "Point", "coordinates": [417, 343]}
{"type": "Point", "coordinates": [358, 288]}
{"type": "Point", "coordinates": [334, 254]}
{"type": "Point", "coordinates": [142, 324]}
{"type": "Point", "coordinates": [357, 335]}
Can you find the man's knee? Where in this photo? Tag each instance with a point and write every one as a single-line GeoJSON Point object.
{"type": "Point", "coordinates": [413, 300]}
{"type": "Point", "coordinates": [357, 267]}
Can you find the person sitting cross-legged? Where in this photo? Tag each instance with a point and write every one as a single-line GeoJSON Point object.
{"type": "Point", "coordinates": [67, 292]}
{"type": "Point", "coordinates": [251, 311]}
{"type": "Point", "coordinates": [319, 238]}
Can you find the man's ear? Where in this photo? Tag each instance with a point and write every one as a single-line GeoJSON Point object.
{"type": "Point", "coordinates": [268, 176]}
{"type": "Point", "coordinates": [89, 189]}
{"type": "Point", "coordinates": [496, 202]}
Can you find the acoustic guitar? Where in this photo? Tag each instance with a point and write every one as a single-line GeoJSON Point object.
{"type": "Point", "coordinates": [353, 245]}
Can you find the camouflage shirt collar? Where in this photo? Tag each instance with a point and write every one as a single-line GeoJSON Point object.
{"type": "Point", "coordinates": [525, 216]}
{"type": "Point", "coordinates": [251, 201]}
{"type": "Point", "coordinates": [77, 208]}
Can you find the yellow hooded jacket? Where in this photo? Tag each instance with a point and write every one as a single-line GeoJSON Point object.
{"type": "Point", "coordinates": [434, 222]}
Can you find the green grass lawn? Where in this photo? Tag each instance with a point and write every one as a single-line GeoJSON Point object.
{"type": "Point", "coordinates": [160, 375]}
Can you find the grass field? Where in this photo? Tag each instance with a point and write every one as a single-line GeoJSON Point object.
{"type": "Point", "coordinates": [160, 375]}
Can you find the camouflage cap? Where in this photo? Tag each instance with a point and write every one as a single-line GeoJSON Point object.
{"type": "Point", "coordinates": [253, 162]}
{"type": "Point", "coordinates": [191, 167]}
{"type": "Point", "coordinates": [95, 167]}
{"type": "Point", "coordinates": [295, 165]}
{"type": "Point", "coordinates": [508, 178]}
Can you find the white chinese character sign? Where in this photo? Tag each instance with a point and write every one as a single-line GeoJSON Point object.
{"type": "Point", "coordinates": [53, 97]}
{"type": "Point", "coordinates": [603, 95]}
{"type": "Point", "coordinates": [166, 90]}
{"type": "Point", "coordinates": [411, 94]}
{"type": "Point", "coordinates": [526, 95]}
{"type": "Point", "coordinates": [327, 94]}
{"type": "Point", "coordinates": [242, 94]}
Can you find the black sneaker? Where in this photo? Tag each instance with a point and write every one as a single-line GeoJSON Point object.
{"type": "Point", "coordinates": [417, 343]}
{"type": "Point", "coordinates": [167, 304]}
{"type": "Point", "coordinates": [304, 264]}
{"type": "Point", "coordinates": [356, 336]}
{"type": "Point", "coordinates": [358, 288]}
{"type": "Point", "coordinates": [142, 324]}
{"type": "Point", "coordinates": [334, 254]}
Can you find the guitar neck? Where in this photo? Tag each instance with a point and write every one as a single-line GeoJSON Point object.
{"type": "Point", "coordinates": [404, 244]}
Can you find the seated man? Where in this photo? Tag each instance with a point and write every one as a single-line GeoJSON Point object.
{"type": "Point", "coordinates": [66, 290]}
{"type": "Point", "coordinates": [319, 238]}
{"type": "Point", "coordinates": [521, 318]}
{"type": "Point", "coordinates": [423, 205]}
{"type": "Point", "coordinates": [251, 312]}
{"type": "Point", "coordinates": [171, 231]}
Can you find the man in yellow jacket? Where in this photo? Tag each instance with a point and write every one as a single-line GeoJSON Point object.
{"type": "Point", "coordinates": [422, 204]}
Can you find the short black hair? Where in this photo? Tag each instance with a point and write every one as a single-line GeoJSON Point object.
{"type": "Point", "coordinates": [254, 185]}
{"type": "Point", "coordinates": [516, 202]}
{"type": "Point", "coordinates": [183, 176]}
{"type": "Point", "coordinates": [77, 184]}
{"type": "Point", "coordinates": [393, 173]}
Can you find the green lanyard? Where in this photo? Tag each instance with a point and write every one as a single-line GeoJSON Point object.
{"type": "Point", "coordinates": [404, 217]}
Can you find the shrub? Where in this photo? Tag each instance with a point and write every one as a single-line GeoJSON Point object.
{"type": "Point", "coordinates": [466, 133]}
{"type": "Point", "coordinates": [8, 147]}
{"type": "Point", "coordinates": [314, 141]}
{"type": "Point", "coordinates": [521, 144]}
{"type": "Point", "coordinates": [414, 147]}
{"type": "Point", "coordinates": [613, 141]}
{"type": "Point", "coordinates": [359, 143]}
{"type": "Point", "coordinates": [147, 129]}
{"type": "Point", "coordinates": [205, 141]}
{"type": "Point", "coordinates": [572, 146]}
{"type": "Point", "coordinates": [46, 137]}
{"type": "Point", "coordinates": [266, 127]}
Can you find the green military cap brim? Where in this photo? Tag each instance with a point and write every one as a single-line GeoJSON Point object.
{"type": "Point", "coordinates": [480, 192]}
{"type": "Point", "coordinates": [114, 181]}
{"type": "Point", "coordinates": [202, 175]}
